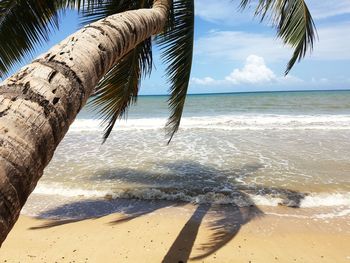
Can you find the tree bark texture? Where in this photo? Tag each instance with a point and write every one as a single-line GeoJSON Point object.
{"type": "Point", "coordinates": [38, 103]}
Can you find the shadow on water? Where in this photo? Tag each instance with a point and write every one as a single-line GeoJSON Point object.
{"type": "Point", "coordinates": [193, 179]}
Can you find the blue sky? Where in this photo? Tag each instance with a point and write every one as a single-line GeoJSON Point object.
{"type": "Point", "coordinates": [235, 53]}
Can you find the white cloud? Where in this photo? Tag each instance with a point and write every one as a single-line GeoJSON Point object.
{"type": "Point", "coordinates": [321, 9]}
{"type": "Point", "coordinates": [221, 11]}
{"type": "Point", "coordinates": [204, 81]}
{"type": "Point", "coordinates": [254, 72]}
{"type": "Point", "coordinates": [319, 80]}
{"type": "Point", "coordinates": [236, 45]}
{"type": "Point", "coordinates": [227, 12]}
{"type": "Point", "coordinates": [333, 44]}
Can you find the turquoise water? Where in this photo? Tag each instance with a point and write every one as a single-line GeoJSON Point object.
{"type": "Point", "coordinates": [306, 102]}
{"type": "Point", "coordinates": [290, 148]}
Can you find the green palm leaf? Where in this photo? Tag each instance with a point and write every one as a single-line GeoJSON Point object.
{"type": "Point", "coordinates": [119, 88]}
{"type": "Point", "coordinates": [23, 24]}
{"type": "Point", "coordinates": [177, 51]}
{"type": "Point", "coordinates": [294, 24]}
{"type": "Point", "coordinates": [26, 23]}
{"type": "Point", "coordinates": [101, 9]}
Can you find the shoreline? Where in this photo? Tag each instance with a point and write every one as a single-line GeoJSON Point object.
{"type": "Point", "coordinates": [175, 232]}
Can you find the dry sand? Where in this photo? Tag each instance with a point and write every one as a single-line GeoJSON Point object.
{"type": "Point", "coordinates": [180, 234]}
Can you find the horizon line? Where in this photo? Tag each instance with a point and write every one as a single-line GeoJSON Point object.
{"type": "Point", "coordinates": [243, 92]}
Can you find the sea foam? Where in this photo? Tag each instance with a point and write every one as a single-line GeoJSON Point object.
{"type": "Point", "coordinates": [311, 200]}
{"type": "Point", "coordinates": [228, 122]}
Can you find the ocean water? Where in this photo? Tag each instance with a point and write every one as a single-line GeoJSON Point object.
{"type": "Point", "coordinates": [264, 149]}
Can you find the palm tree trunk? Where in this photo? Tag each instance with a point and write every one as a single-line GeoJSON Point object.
{"type": "Point", "coordinates": [38, 103]}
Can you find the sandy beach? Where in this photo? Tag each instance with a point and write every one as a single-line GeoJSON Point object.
{"type": "Point", "coordinates": [169, 232]}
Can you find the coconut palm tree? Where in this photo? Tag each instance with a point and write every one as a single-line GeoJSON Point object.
{"type": "Point", "coordinates": [107, 57]}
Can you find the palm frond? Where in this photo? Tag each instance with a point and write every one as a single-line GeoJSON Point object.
{"type": "Point", "coordinates": [293, 22]}
{"type": "Point", "coordinates": [119, 88]}
{"type": "Point", "coordinates": [80, 5]}
{"type": "Point", "coordinates": [5, 6]}
{"type": "Point", "coordinates": [176, 44]}
{"type": "Point", "coordinates": [23, 24]}
{"type": "Point", "coordinates": [101, 9]}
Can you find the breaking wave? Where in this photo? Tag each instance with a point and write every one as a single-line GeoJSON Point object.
{"type": "Point", "coordinates": [228, 122]}
{"type": "Point", "coordinates": [219, 196]}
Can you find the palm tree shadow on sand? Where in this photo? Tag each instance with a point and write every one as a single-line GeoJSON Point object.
{"type": "Point", "coordinates": [225, 224]}
{"type": "Point", "coordinates": [224, 221]}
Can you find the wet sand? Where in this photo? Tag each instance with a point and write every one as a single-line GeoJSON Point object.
{"type": "Point", "coordinates": [180, 233]}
